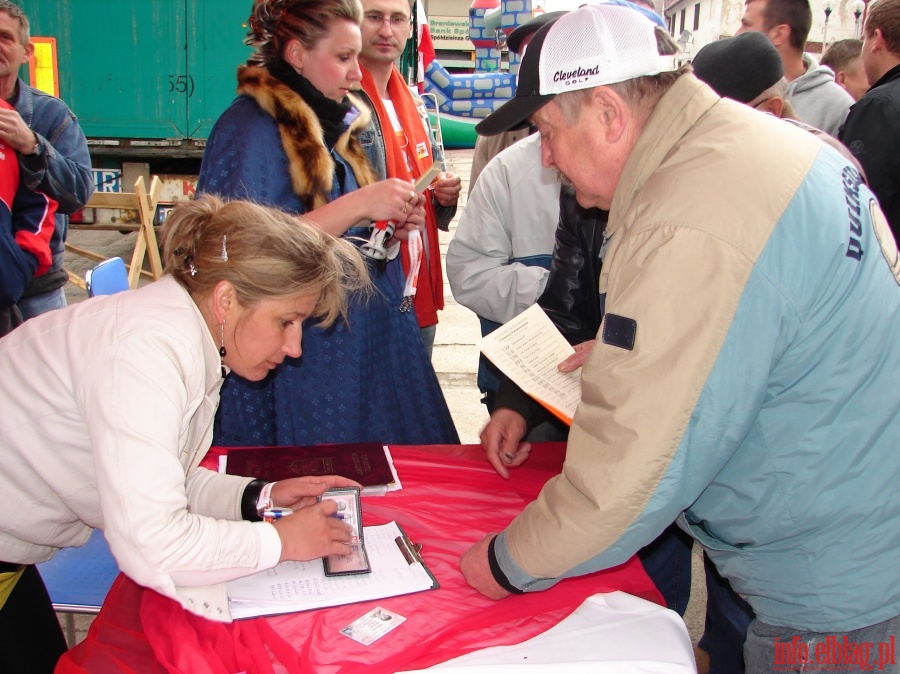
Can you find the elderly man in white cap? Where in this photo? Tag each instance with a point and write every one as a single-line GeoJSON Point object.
{"type": "Point", "coordinates": [743, 381]}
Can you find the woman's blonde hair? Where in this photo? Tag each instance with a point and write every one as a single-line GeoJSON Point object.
{"type": "Point", "coordinates": [264, 253]}
{"type": "Point", "coordinates": [273, 23]}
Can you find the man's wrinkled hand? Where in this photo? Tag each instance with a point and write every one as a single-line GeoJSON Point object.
{"type": "Point", "coordinates": [447, 188]}
{"type": "Point", "coordinates": [15, 131]}
{"type": "Point", "coordinates": [501, 439]}
{"type": "Point", "coordinates": [576, 360]}
{"type": "Point", "coordinates": [477, 570]}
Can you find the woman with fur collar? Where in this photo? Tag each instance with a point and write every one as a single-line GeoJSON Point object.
{"type": "Point", "coordinates": [289, 140]}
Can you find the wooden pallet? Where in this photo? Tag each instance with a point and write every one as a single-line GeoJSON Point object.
{"type": "Point", "coordinates": [144, 204]}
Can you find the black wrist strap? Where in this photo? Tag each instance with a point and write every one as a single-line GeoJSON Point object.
{"type": "Point", "coordinates": [249, 499]}
{"type": "Point", "coordinates": [497, 572]}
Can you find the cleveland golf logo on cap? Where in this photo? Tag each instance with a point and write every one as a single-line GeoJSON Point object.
{"type": "Point", "coordinates": [570, 77]}
{"type": "Point", "coordinates": [594, 45]}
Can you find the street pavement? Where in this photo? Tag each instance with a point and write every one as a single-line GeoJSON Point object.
{"type": "Point", "coordinates": [455, 355]}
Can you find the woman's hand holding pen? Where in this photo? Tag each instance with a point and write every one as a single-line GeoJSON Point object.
{"type": "Point", "coordinates": [313, 532]}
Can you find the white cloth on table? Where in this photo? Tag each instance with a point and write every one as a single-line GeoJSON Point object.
{"type": "Point", "coordinates": [614, 632]}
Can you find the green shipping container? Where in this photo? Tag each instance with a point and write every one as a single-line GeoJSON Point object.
{"type": "Point", "coordinates": [145, 79]}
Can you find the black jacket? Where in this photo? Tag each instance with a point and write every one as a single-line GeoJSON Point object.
{"type": "Point", "coordinates": [571, 297]}
{"type": "Point", "coordinates": [872, 133]}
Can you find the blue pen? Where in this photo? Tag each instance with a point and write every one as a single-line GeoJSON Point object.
{"type": "Point", "coordinates": [272, 514]}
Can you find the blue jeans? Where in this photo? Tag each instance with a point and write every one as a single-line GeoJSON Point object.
{"type": "Point", "coordinates": [727, 618]}
{"type": "Point", "coordinates": [786, 649]}
{"type": "Point", "coordinates": [667, 561]}
{"type": "Point", "coordinates": [41, 304]}
{"type": "Point", "coordinates": [428, 337]}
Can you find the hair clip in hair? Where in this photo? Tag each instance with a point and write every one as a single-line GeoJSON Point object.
{"type": "Point", "coordinates": [224, 249]}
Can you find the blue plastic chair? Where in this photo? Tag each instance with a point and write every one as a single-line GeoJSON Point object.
{"type": "Point", "coordinates": [107, 278]}
{"type": "Point", "coordinates": [78, 579]}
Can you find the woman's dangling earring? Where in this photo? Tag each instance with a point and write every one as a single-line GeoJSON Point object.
{"type": "Point", "coordinates": [222, 351]}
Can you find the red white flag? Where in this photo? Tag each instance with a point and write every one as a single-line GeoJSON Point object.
{"type": "Point", "coordinates": [426, 46]}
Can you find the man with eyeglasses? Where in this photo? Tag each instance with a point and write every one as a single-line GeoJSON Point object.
{"type": "Point", "coordinates": [400, 144]}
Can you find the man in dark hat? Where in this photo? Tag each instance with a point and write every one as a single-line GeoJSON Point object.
{"type": "Point", "coordinates": [812, 90]}
{"type": "Point", "coordinates": [741, 67]}
{"type": "Point", "coordinates": [737, 283]}
{"type": "Point", "coordinates": [747, 68]}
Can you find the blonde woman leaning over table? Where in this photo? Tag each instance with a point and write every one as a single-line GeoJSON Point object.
{"type": "Point", "coordinates": [108, 408]}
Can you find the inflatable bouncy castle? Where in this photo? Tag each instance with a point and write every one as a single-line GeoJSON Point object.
{"type": "Point", "coordinates": [463, 100]}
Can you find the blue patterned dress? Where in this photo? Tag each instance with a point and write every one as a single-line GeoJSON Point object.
{"type": "Point", "coordinates": [370, 380]}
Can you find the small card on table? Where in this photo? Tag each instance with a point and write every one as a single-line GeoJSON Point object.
{"type": "Point", "coordinates": [373, 625]}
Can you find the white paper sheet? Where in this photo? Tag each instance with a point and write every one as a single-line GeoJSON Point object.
{"type": "Point", "coordinates": [528, 350]}
{"type": "Point", "coordinates": [300, 586]}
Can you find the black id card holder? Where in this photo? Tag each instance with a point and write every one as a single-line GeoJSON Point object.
{"type": "Point", "coordinates": [356, 561]}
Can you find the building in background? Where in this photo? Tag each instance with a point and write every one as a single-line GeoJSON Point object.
{"type": "Point", "coordinates": [695, 23]}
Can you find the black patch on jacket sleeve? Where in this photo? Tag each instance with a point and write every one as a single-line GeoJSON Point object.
{"type": "Point", "coordinates": [619, 331]}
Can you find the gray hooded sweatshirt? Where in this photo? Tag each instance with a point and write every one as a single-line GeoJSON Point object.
{"type": "Point", "coordinates": [817, 99]}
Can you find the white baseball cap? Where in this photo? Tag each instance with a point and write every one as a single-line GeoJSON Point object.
{"type": "Point", "coordinates": [589, 47]}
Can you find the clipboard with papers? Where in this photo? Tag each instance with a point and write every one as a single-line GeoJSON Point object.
{"type": "Point", "coordinates": [397, 569]}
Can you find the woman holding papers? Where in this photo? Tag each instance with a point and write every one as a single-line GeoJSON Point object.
{"type": "Point", "coordinates": [291, 140]}
{"type": "Point", "coordinates": [108, 409]}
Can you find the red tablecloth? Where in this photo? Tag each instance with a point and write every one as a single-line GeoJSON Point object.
{"type": "Point", "coordinates": [450, 498]}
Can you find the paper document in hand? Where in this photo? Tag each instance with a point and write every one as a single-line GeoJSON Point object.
{"type": "Point", "coordinates": [301, 586]}
{"type": "Point", "coordinates": [428, 177]}
{"type": "Point", "coordinates": [528, 349]}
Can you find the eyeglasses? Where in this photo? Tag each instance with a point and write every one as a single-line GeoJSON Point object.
{"type": "Point", "coordinates": [376, 20]}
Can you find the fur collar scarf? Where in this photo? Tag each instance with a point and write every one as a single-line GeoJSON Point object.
{"type": "Point", "coordinates": [311, 165]}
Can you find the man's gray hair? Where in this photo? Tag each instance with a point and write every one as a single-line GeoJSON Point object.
{"type": "Point", "coordinates": [780, 89]}
{"type": "Point", "coordinates": [16, 13]}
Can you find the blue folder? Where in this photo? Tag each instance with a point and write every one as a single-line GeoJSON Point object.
{"type": "Point", "coordinates": [79, 578]}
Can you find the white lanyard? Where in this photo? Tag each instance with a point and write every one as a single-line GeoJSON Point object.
{"type": "Point", "coordinates": [415, 262]}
